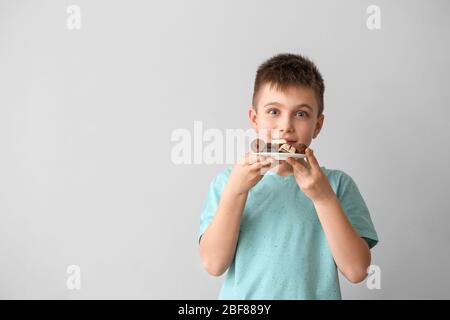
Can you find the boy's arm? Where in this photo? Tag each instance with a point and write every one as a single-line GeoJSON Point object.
{"type": "Point", "coordinates": [350, 252]}
{"type": "Point", "coordinates": [218, 242]}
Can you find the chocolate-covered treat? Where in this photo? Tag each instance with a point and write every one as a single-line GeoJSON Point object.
{"type": "Point", "coordinates": [258, 145]}
{"type": "Point", "coordinates": [301, 148]}
{"type": "Point", "coordinates": [287, 148]}
{"type": "Point", "coordinates": [277, 146]}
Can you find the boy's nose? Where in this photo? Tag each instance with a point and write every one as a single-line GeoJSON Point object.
{"type": "Point", "coordinates": [285, 125]}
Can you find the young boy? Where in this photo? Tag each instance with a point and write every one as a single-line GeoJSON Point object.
{"type": "Point", "coordinates": [284, 234]}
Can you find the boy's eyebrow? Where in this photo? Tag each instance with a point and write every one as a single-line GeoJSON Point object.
{"type": "Point", "coordinates": [280, 104]}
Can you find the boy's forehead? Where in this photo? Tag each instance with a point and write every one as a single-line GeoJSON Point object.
{"type": "Point", "coordinates": [290, 97]}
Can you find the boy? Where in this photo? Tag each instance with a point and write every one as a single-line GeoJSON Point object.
{"type": "Point", "coordinates": [284, 234]}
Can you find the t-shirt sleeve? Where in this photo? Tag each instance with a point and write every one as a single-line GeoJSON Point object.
{"type": "Point", "coordinates": [356, 209]}
{"type": "Point", "coordinates": [211, 202]}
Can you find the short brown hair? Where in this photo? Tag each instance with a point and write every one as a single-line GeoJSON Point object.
{"type": "Point", "coordinates": [284, 70]}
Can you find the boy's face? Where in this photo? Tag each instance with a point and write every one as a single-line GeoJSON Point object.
{"type": "Point", "coordinates": [289, 115]}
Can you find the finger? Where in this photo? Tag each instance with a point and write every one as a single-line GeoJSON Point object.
{"type": "Point", "coordinates": [244, 159]}
{"type": "Point", "coordinates": [297, 165]}
{"type": "Point", "coordinates": [260, 164]}
{"type": "Point", "coordinates": [253, 158]}
{"type": "Point", "coordinates": [312, 159]}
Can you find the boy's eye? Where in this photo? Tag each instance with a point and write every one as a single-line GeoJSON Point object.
{"type": "Point", "coordinates": [300, 114]}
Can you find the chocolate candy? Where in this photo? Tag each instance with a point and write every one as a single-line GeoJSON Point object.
{"type": "Point", "coordinates": [301, 148]}
{"type": "Point", "coordinates": [287, 148]}
{"type": "Point", "coordinates": [258, 145]}
{"type": "Point", "coordinates": [280, 145]}
{"type": "Point", "coordinates": [275, 145]}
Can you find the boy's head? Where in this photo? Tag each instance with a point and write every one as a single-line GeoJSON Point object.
{"type": "Point", "coordinates": [288, 99]}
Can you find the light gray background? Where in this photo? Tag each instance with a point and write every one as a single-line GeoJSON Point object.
{"type": "Point", "coordinates": [86, 118]}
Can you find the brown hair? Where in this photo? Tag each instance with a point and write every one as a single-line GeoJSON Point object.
{"type": "Point", "coordinates": [284, 70]}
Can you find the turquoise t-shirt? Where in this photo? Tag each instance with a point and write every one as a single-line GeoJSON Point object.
{"type": "Point", "coordinates": [282, 252]}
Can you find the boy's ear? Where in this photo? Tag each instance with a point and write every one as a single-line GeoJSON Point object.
{"type": "Point", "coordinates": [252, 118]}
{"type": "Point", "coordinates": [319, 125]}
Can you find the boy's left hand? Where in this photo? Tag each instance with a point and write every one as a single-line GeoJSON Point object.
{"type": "Point", "coordinates": [310, 177]}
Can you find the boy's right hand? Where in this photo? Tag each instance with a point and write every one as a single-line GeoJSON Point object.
{"type": "Point", "coordinates": [247, 172]}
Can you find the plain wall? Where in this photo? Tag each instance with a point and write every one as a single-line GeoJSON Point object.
{"type": "Point", "coordinates": [86, 118]}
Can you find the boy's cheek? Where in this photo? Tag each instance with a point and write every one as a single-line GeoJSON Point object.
{"type": "Point", "coordinates": [265, 134]}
